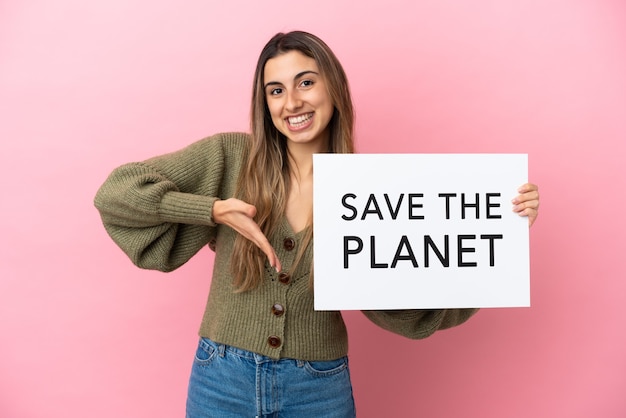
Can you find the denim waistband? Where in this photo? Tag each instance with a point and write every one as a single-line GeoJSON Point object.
{"type": "Point", "coordinates": [222, 349]}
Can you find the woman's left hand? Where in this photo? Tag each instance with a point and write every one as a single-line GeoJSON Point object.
{"type": "Point", "coordinates": [527, 202]}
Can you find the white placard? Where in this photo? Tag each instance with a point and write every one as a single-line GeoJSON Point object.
{"type": "Point", "coordinates": [419, 231]}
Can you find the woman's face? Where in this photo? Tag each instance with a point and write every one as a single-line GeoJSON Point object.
{"type": "Point", "coordinates": [298, 99]}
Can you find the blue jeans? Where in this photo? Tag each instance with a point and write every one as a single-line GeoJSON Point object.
{"type": "Point", "coordinates": [228, 382]}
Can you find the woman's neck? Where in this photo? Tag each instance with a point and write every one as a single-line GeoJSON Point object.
{"type": "Point", "coordinates": [299, 205]}
{"type": "Point", "coordinates": [301, 157]}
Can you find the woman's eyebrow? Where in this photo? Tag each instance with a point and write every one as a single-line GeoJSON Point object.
{"type": "Point", "coordinates": [300, 74]}
{"type": "Point", "coordinates": [303, 73]}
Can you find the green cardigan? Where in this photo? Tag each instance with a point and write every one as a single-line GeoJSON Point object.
{"type": "Point", "coordinates": [160, 214]}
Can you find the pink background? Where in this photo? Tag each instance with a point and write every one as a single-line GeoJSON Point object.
{"type": "Point", "coordinates": [86, 86]}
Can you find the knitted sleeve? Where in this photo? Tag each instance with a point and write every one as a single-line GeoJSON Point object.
{"type": "Point", "coordinates": [159, 212]}
{"type": "Point", "coordinates": [419, 323]}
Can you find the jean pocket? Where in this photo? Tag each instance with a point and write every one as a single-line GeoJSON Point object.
{"type": "Point", "coordinates": [205, 353]}
{"type": "Point", "coordinates": [326, 368]}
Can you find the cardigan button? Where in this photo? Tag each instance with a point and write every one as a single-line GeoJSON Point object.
{"type": "Point", "coordinates": [278, 309]}
{"type": "Point", "coordinates": [289, 243]}
{"type": "Point", "coordinates": [284, 278]}
{"type": "Point", "coordinates": [273, 341]}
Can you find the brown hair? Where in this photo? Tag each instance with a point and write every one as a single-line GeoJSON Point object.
{"type": "Point", "coordinates": [264, 178]}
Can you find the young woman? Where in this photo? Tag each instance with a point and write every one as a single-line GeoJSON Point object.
{"type": "Point", "coordinates": [263, 350]}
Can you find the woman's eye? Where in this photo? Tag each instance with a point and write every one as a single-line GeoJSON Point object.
{"type": "Point", "coordinates": [306, 83]}
{"type": "Point", "coordinates": [276, 91]}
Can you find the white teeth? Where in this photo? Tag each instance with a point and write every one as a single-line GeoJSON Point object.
{"type": "Point", "coordinates": [299, 120]}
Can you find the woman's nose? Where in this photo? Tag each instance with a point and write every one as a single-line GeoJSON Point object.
{"type": "Point", "coordinates": [294, 101]}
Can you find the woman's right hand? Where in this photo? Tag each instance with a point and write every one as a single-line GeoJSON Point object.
{"type": "Point", "coordinates": [239, 215]}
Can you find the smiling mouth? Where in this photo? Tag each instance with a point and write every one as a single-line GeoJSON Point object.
{"type": "Point", "coordinates": [299, 121]}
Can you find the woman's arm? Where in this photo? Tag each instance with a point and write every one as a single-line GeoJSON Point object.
{"type": "Point", "coordinates": [419, 323]}
{"type": "Point", "coordinates": [159, 211]}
